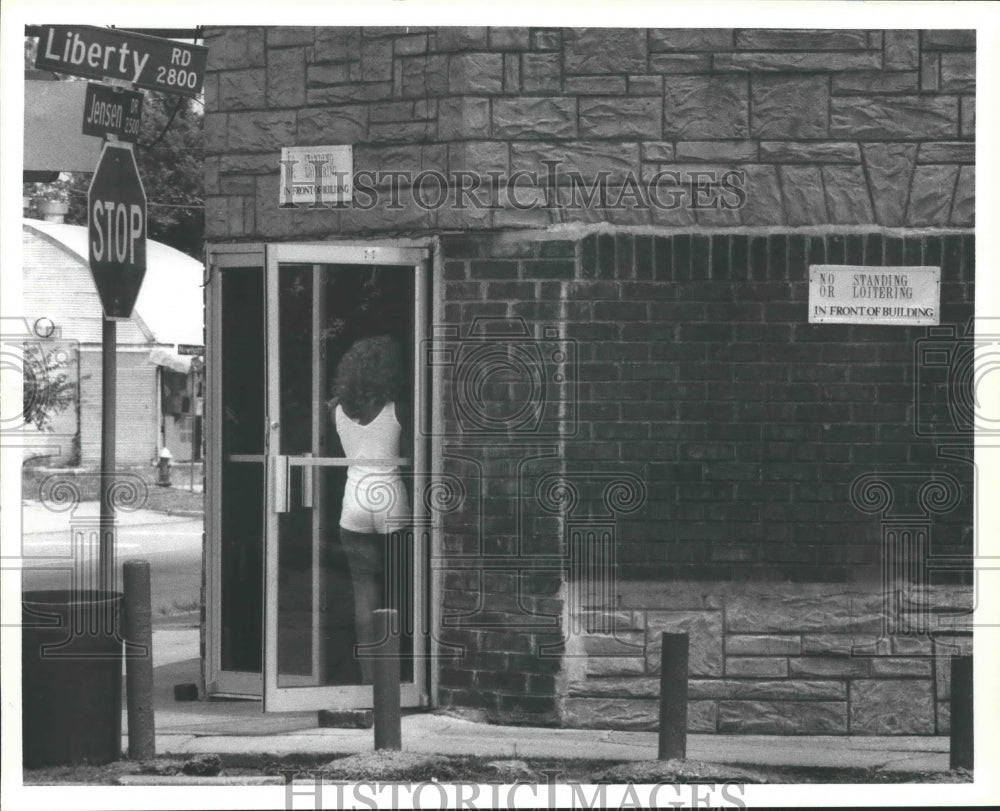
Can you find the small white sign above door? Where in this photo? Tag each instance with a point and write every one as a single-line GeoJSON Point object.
{"type": "Point", "coordinates": [859, 294]}
{"type": "Point", "coordinates": [316, 176]}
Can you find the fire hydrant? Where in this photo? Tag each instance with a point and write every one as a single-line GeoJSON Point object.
{"type": "Point", "coordinates": [163, 468]}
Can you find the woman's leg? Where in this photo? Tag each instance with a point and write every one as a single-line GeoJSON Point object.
{"type": "Point", "coordinates": [365, 557]}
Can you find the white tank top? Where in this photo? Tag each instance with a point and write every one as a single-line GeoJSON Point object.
{"type": "Point", "coordinates": [374, 497]}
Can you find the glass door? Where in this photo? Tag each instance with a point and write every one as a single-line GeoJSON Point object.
{"type": "Point", "coordinates": [344, 472]}
{"type": "Point", "coordinates": [236, 463]}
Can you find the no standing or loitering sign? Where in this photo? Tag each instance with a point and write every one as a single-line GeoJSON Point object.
{"type": "Point", "coordinates": [861, 294]}
{"type": "Point", "coordinates": [315, 176]}
{"type": "Point", "coordinates": [106, 53]}
{"type": "Point", "coordinates": [107, 111]}
{"type": "Point", "coordinates": [116, 230]}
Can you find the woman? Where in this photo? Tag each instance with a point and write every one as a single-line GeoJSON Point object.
{"type": "Point", "coordinates": [367, 414]}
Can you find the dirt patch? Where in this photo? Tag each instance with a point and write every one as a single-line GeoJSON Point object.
{"type": "Point", "coordinates": [678, 771]}
{"type": "Point", "coordinates": [511, 771]}
{"type": "Point", "coordinates": [391, 766]}
{"type": "Point", "coordinates": [409, 767]}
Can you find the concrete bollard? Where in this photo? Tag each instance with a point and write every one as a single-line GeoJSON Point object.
{"type": "Point", "coordinates": [386, 683]}
{"type": "Point", "coordinates": [673, 697]}
{"type": "Point", "coordinates": [962, 738]}
{"type": "Point", "coordinates": [138, 632]}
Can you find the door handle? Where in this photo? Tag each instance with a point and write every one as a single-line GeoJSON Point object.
{"type": "Point", "coordinates": [279, 479]}
{"type": "Point", "coordinates": [307, 484]}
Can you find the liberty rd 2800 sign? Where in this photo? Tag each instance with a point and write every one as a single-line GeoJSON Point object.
{"type": "Point", "coordinates": [107, 53]}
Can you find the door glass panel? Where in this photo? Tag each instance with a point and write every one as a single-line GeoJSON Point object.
{"type": "Point", "coordinates": [242, 351]}
{"type": "Point", "coordinates": [295, 315]}
{"type": "Point", "coordinates": [241, 498]}
{"type": "Point", "coordinates": [242, 559]}
{"type": "Point", "coordinates": [329, 581]}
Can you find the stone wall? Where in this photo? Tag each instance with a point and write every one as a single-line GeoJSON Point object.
{"type": "Point", "coordinates": [691, 380]}
{"type": "Point", "coordinates": [847, 126]}
{"type": "Point", "coordinates": [786, 660]}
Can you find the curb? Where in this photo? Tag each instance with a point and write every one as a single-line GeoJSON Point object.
{"type": "Point", "coordinates": [181, 513]}
{"type": "Point", "coordinates": [186, 780]}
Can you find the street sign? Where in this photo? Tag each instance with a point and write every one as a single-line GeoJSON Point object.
{"type": "Point", "coordinates": [190, 349]}
{"type": "Point", "coordinates": [107, 53]}
{"type": "Point", "coordinates": [112, 112]}
{"type": "Point", "coordinates": [116, 226]}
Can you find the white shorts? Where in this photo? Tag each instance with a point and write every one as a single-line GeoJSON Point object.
{"type": "Point", "coordinates": [374, 502]}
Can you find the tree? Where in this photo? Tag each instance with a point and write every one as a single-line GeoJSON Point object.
{"type": "Point", "coordinates": [48, 389]}
{"type": "Point", "coordinates": [170, 156]}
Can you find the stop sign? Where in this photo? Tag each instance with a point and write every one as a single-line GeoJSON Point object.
{"type": "Point", "coordinates": [116, 225]}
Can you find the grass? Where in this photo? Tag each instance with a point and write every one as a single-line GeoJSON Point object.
{"type": "Point", "coordinates": [37, 481]}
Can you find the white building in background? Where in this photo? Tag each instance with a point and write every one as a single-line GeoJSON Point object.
{"type": "Point", "coordinates": [159, 401]}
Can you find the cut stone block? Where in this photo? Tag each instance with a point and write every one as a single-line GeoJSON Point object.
{"type": "Point", "coordinates": [762, 645]}
{"type": "Point", "coordinates": [714, 106]}
{"type": "Point", "coordinates": [623, 688]}
{"type": "Point", "coordinates": [784, 689]}
{"type": "Point", "coordinates": [828, 666]}
{"type": "Point", "coordinates": [604, 50]}
{"type": "Point", "coordinates": [931, 195]}
{"type": "Point", "coordinates": [761, 666]}
{"type": "Point", "coordinates": [795, 108]}
{"type": "Point", "coordinates": [897, 707]}
{"type": "Point", "coordinates": [889, 168]}
{"type": "Point", "coordinates": [704, 629]}
{"type": "Point", "coordinates": [788, 613]}
{"type": "Point", "coordinates": [783, 717]}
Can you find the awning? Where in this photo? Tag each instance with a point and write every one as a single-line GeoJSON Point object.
{"type": "Point", "coordinates": [171, 360]}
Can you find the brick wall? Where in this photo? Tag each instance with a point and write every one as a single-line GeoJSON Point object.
{"type": "Point", "coordinates": [698, 372]}
{"type": "Point", "coordinates": [698, 375]}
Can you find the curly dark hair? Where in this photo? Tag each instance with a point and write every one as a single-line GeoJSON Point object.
{"type": "Point", "coordinates": [369, 375]}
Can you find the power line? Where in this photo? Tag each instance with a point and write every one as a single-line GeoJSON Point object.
{"type": "Point", "coordinates": [175, 205]}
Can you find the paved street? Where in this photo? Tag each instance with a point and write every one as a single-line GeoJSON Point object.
{"type": "Point", "coordinates": [171, 544]}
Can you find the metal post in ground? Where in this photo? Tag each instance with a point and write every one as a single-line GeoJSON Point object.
{"type": "Point", "coordinates": [962, 739]}
{"type": "Point", "coordinates": [109, 378]}
{"type": "Point", "coordinates": [673, 697]}
{"type": "Point", "coordinates": [138, 628]}
{"type": "Point", "coordinates": [386, 683]}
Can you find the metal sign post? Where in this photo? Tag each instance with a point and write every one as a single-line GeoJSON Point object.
{"type": "Point", "coordinates": [109, 381]}
{"type": "Point", "coordinates": [197, 361]}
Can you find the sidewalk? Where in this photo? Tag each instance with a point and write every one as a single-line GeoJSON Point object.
{"type": "Point", "coordinates": [240, 727]}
